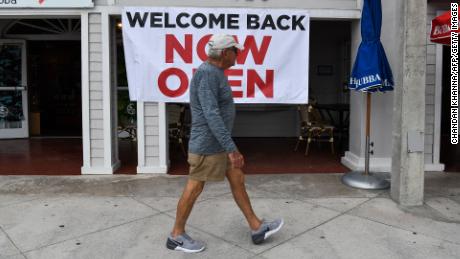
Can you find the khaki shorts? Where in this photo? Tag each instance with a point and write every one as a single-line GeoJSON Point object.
{"type": "Point", "coordinates": [208, 167]}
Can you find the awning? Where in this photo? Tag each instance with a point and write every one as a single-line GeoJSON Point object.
{"type": "Point", "coordinates": [440, 29]}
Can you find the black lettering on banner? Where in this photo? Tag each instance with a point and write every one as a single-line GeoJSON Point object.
{"type": "Point", "coordinates": [219, 20]}
{"type": "Point", "coordinates": [280, 25]}
{"type": "Point", "coordinates": [232, 21]}
{"type": "Point", "coordinates": [154, 19]}
{"type": "Point", "coordinates": [8, 1]}
{"type": "Point", "coordinates": [252, 21]}
{"type": "Point", "coordinates": [297, 22]}
{"type": "Point", "coordinates": [196, 17]}
{"type": "Point", "coordinates": [268, 22]}
{"type": "Point", "coordinates": [137, 19]}
{"type": "Point", "coordinates": [222, 21]}
{"type": "Point", "coordinates": [179, 21]}
{"type": "Point", "coordinates": [167, 24]}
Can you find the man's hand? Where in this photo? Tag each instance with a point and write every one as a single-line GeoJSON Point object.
{"type": "Point", "coordinates": [237, 159]}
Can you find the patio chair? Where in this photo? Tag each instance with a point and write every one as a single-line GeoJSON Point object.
{"type": "Point", "coordinates": [127, 128]}
{"type": "Point", "coordinates": [313, 128]}
{"type": "Point", "coordinates": [179, 125]}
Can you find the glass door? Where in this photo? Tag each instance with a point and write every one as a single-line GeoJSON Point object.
{"type": "Point", "coordinates": [13, 90]}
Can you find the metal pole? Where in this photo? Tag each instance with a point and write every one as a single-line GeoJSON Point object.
{"type": "Point", "coordinates": [366, 179]}
{"type": "Point", "coordinates": [368, 130]}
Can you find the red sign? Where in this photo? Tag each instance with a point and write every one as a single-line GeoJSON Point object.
{"type": "Point", "coordinates": [440, 29]}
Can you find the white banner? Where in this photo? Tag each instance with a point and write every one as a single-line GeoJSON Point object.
{"type": "Point", "coordinates": [163, 46]}
{"type": "Point", "coordinates": [46, 4]}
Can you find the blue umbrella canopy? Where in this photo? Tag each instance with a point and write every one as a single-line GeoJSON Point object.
{"type": "Point", "coordinates": [371, 71]}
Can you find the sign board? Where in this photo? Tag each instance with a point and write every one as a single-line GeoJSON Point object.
{"type": "Point", "coordinates": [46, 4]}
{"type": "Point", "coordinates": [164, 45]}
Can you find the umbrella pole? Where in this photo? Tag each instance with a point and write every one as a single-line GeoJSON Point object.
{"type": "Point", "coordinates": [366, 179]}
{"type": "Point", "coordinates": [368, 130]}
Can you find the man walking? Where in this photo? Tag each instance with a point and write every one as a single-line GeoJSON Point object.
{"type": "Point", "coordinates": [212, 153]}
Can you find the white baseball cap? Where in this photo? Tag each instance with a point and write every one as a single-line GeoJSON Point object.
{"type": "Point", "coordinates": [223, 41]}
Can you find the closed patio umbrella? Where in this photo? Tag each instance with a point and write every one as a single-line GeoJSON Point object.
{"type": "Point", "coordinates": [371, 72]}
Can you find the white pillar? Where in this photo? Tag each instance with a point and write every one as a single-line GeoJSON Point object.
{"type": "Point", "coordinates": [152, 138]}
{"type": "Point", "coordinates": [98, 129]}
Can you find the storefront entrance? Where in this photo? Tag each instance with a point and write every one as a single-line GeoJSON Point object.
{"type": "Point", "coordinates": [55, 88]}
{"type": "Point", "coordinates": [267, 134]}
{"type": "Point", "coordinates": [40, 96]}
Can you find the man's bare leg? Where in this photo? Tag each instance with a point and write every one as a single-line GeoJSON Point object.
{"type": "Point", "coordinates": [191, 192]}
{"type": "Point", "coordinates": [236, 179]}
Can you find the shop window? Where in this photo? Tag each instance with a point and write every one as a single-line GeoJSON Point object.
{"type": "Point", "coordinates": [43, 26]}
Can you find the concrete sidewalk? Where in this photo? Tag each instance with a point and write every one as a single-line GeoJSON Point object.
{"type": "Point", "coordinates": [130, 217]}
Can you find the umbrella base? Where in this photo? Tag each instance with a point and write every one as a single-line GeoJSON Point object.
{"type": "Point", "coordinates": [361, 181]}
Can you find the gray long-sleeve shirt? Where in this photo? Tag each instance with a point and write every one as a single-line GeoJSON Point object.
{"type": "Point", "coordinates": [213, 111]}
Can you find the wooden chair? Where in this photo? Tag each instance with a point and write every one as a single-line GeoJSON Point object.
{"type": "Point", "coordinates": [313, 128]}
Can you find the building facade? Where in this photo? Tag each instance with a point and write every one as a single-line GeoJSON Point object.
{"type": "Point", "coordinates": [98, 20]}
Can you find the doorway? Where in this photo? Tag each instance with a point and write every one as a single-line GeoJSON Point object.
{"type": "Point", "coordinates": [450, 153]}
{"type": "Point", "coordinates": [41, 60]}
{"type": "Point", "coordinates": [55, 88]}
{"type": "Point", "coordinates": [13, 90]}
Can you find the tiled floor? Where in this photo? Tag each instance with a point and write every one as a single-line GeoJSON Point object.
{"type": "Point", "coordinates": [275, 155]}
{"type": "Point", "coordinates": [63, 156]}
{"type": "Point", "coordinates": [55, 156]}
{"type": "Point", "coordinates": [41, 156]}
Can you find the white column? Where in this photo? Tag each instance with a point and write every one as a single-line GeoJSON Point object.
{"type": "Point", "coordinates": [152, 134]}
{"type": "Point", "coordinates": [85, 91]}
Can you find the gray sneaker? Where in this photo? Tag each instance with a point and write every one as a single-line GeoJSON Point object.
{"type": "Point", "coordinates": [184, 243]}
{"type": "Point", "coordinates": [265, 230]}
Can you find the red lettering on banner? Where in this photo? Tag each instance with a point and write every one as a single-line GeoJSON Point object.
{"type": "Point", "coordinates": [251, 45]}
{"type": "Point", "coordinates": [172, 44]}
{"type": "Point", "coordinates": [164, 77]}
{"type": "Point", "coordinates": [201, 47]}
{"type": "Point", "coordinates": [266, 87]}
{"type": "Point", "coordinates": [185, 51]}
{"type": "Point", "coordinates": [235, 83]}
{"type": "Point", "coordinates": [253, 80]}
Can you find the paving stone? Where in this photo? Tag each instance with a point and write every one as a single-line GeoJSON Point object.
{"type": "Point", "coordinates": [8, 199]}
{"type": "Point", "coordinates": [422, 219]}
{"type": "Point", "coordinates": [45, 221]}
{"type": "Point", "coordinates": [173, 187]}
{"type": "Point", "coordinates": [145, 238]}
{"type": "Point", "coordinates": [221, 217]}
{"type": "Point", "coordinates": [46, 216]}
{"type": "Point", "coordinates": [6, 247]}
{"type": "Point", "coordinates": [337, 204]}
{"type": "Point", "coordinates": [302, 186]}
{"type": "Point", "coordinates": [18, 256]}
{"type": "Point", "coordinates": [447, 207]}
{"type": "Point", "coordinates": [352, 237]}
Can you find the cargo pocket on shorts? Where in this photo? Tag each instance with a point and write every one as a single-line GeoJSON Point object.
{"type": "Point", "coordinates": [195, 160]}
